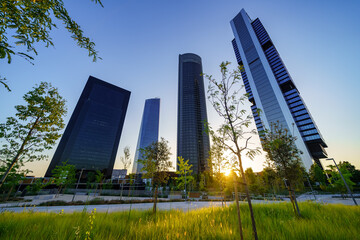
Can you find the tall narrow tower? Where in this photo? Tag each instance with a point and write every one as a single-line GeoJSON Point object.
{"type": "Point", "coordinates": [192, 141]}
{"type": "Point", "coordinates": [92, 136]}
{"type": "Point", "coordinates": [271, 88]}
{"type": "Point", "coordinates": [149, 130]}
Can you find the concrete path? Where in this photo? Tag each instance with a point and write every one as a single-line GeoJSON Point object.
{"type": "Point", "coordinates": [184, 206]}
{"type": "Point", "coordinates": [328, 199]}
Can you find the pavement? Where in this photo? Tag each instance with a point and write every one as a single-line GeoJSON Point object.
{"type": "Point", "coordinates": [328, 199]}
{"type": "Point", "coordinates": [36, 200]}
{"type": "Point", "coordinates": [184, 206]}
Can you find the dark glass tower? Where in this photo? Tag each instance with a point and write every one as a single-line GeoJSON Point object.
{"type": "Point", "coordinates": [192, 141]}
{"type": "Point", "coordinates": [149, 130]}
{"type": "Point", "coordinates": [271, 88]}
{"type": "Point", "coordinates": [92, 136]}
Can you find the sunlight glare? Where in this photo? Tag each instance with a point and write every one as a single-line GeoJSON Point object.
{"type": "Point", "coordinates": [227, 172]}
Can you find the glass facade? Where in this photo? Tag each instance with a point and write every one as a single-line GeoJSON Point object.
{"type": "Point", "coordinates": [92, 136]}
{"type": "Point", "coordinates": [275, 90]}
{"type": "Point", "coordinates": [149, 130]}
{"type": "Point", "coordinates": [192, 141]}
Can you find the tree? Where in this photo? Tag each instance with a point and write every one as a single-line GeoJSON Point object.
{"type": "Point", "coordinates": [155, 161]}
{"type": "Point", "coordinates": [99, 177]}
{"type": "Point", "coordinates": [125, 160]}
{"type": "Point", "coordinates": [63, 175]}
{"type": "Point", "coordinates": [35, 128]}
{"type": "Point", "coordinates": [284, 156]}
{"type": "Point", "coordinates": [317, 174]}
{"type": "Point", "coordinates": [271, 180]}
{"type": "Point", "coordinates": [90, 180]}
{"type": "Point", "coordinates": [36, 186]}
{"type": "Point", "coordinates": [29, 22]}
{"type": "Point", "coordinates": [185, 178]}
{"type": "Point", "coordinates": [355, 173]}
{"type": "Point", "coordinates": [337, 184]}
{"type": "Point", "coordinates": [14, 177]}
{"type": "Point", "coordinates": [256, 185]}
{"type": "Point", "coordinates": [234, 133]}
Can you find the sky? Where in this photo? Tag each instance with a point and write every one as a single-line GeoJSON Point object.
{"type": "Point", "coordinates": [140, 41]}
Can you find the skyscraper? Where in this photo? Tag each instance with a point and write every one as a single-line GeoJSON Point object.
{"type": "Point", "coordinates": [92, 136]}
{"type": "Point", "coordinates": [149, 130]}
{"type": "Point", "coordinates": [271, 88]}
{"type": "Point", "coordinates": [192, 141]}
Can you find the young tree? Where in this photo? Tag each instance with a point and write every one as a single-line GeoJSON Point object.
{"type": "Point", "coordinates": [35, 187]}
{"type": "Point", "coordinates": [63, 175]}
{"type": "Point", "coordinates": [271, 180]}
{"type": "Point", "coordinates": [256, 185]}
{"type": "Point", "coordinates": [90, 180]}
{"type": "Point", "coordinates": [99, 177]}
{"type": "Point", "coordinates": [29, 22]}
{"type": "Point", "coordinates": [155, 161]}
{"type": "Point", "coordinates": [284, 156]}
{"type": "Point", "coordinates": [317, 174]}
{"type": "Point", "coordinates": [125, 160]}
{"type": "Point", "coordinates": [14, 177]}
{"type": "Point", "coordinates": [355, 173]}
{"type": "Point", "coordinates": [337, 184]}
{"type": "Point", "coordinates": [234, 133]}
{"type": "Point", "coordinates": [184, 173]}
{"type": "Point", "coordinates": [35, 128]}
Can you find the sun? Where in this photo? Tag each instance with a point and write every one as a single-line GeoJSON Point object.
{"type": "Point", "coordinates": [227, 172]}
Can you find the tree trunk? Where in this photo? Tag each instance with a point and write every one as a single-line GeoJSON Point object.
{"type": "Point", "coordinates": [296, 204]}
{"type": "Point", "coordinates": [248, 199]}
{"type": "Point", "coordinates": [59, 189]}
{"type": "Point", "coordinates": [155, 200]}
{"type": "Point", "coordinates": [238, 208]}
{"type": "Point", "coordinates": [65, 188]}
{"type": "Point", "coordinates": [293, 201]}
{"type": "Point", "coordinates": [15, 159]}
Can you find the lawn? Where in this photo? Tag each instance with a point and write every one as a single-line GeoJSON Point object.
{"type": "Point", "coordinates": [274, 221]}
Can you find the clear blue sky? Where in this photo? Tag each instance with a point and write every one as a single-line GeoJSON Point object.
{"type": "Point", "coordinates": [140, 41]}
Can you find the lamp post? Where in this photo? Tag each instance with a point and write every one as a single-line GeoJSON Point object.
{"type": "Point", "coordinates": [342, 177]}
{"type": "Point", "coordinates": [77, 184]}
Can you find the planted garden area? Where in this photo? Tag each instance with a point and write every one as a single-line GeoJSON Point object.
{"type": "Point", "coordinates": [274, 221]}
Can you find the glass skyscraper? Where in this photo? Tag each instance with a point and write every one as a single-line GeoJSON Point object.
{"type": "Point", "coordinates": [149, 130]}
{"type": "Point", "coordinates": [92, 136]}
{"type": "Point", "coordinates": [271, 88]}
{"type": "Point", "coordinates": [192, 141]}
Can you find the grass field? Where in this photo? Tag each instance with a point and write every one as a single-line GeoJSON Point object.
{"type": "Point", "coordinates": [274, 221]}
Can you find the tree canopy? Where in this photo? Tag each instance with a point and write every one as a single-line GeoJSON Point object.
{"type": "Point", "coordinates": [155, 162]}
{"type": "Point", "coordinates": [284, 157]}
{"type": "Point", "coordinates": [283, 154]}
{"type": "Point", "coordinates": [24, 23]}
{"type": "Point", "coordinates": [335, 180]}
{"type": "Point", "coordinates": [35, 127]}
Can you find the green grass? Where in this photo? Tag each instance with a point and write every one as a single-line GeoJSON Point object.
{"type": "Point", "coordinates": [274, 221]}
